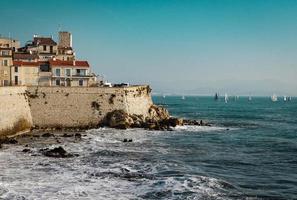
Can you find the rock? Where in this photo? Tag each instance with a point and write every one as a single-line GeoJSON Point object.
{"type": "Point", "coordinates": [6, 140]}
{"type": "Point", "coordinates": [26, 150]}
{"type": "Point", "coordinates": [127, 140]}
{"type": "Point", "coordinates": [47, 134]}
{"type": "Point", "coordinates": [173, 122]}
{"type": "Point", "coordinates": [118, 119]}
{"type": "Point", "coordinates": [67, 135]}
{"type": "Point", "coordinates": [157, 113]}
{"type": "Point", "coordinates": [77, 135]}
{"type": "Point", "coordinates": [58, 152]}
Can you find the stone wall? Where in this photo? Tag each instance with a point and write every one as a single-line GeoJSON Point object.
{"type": "Point", "coordinates": [56, 107]}
{"type": "Point", "coordinates": [15, 115]}
{"type": "Point", "coordinates": [84, 107]}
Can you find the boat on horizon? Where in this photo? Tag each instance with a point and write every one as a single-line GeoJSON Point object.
{"type": "Point", "coordinates": [285, 98]}
{"type": "Point", "coordinates": [183, 97]}
{"type": "Point", "coordinates": [216, 97]}
{"type": "Point", "coordinates": [274, 98]}
{"type": "Point", "coordinates": [226, 98]}
{"type": "Point", "coordinates": [250, 98]}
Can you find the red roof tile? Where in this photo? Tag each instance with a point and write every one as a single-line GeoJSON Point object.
{"type": "Point", "coordinates": [25, 64]}
{"type": "Point", "coordinates": [62, 63]}
{"type": "Point", "coordinates": [25, 56]}
{"type": "Point", "coordinates": [44, 41]}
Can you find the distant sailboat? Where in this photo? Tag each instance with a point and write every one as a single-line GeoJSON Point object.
{"type": "Point", "coordinates": [216, 97]}
{"type": "Point", "coordinates": [250, 98]}
{"type": "Point", "coordinates": [164, 96]}
{"type": "Point", "coordinates": [183, 98]}
{"type": "Point", "coordinates": [226, 98]}
{"type": "Point", "coordinates": [289, 98]}
{"type": "Point", "coordinates": [274, 98]}
{"type": "Point", "coordinates": [285, 98]}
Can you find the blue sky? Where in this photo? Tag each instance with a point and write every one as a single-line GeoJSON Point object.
{"type": "Point", "coordinates": [185, 46]}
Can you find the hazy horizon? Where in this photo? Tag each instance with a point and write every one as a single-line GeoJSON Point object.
{"type": "Point", "coordinates": [181, 47]}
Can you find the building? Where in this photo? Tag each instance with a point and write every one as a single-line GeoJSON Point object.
{"type": "Point", "coordinates": [70, 73]}
{"type": "Point", "coordinates": [25, 73]}
{"type": "Point", "coordinates": [45, 47]}
{"type": "Point", "coordinates": [7, 47]}
{"type": "Point", "coordinates": [65, 50]}
{"type": "Point", "coordinates": [43, 62]}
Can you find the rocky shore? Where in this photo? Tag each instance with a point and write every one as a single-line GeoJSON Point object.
{"type": "Point", "coordinates": [158, 119]}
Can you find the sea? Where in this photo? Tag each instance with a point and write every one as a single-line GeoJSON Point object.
{"type": "Point", "coordinates": [248, 152]}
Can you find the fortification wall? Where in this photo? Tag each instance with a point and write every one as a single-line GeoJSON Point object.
{"type": "Point", "coordinates": [84, 107]}
{"type": "Point", "coordinates": [15, 115]}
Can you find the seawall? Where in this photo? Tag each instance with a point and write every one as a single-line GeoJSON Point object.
{"type": "Point", "coordinates": [15, 114]}
{"type": "Point", "coordinates": [63, 107]}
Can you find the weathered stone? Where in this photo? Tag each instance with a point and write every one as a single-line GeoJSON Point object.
{"type": "Point", "coordinates": [118, 119]}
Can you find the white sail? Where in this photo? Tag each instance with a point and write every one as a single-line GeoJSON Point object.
{"type": "Point", "coordinates": [285, 98]}
{"type": "Point", "coordinates": [226, 98]}
{"type": "Point", "coordinates": [274, 98]}
{"type": "Point", "coordinates": [250, 98]}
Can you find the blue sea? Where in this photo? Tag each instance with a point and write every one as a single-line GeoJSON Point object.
{"type": "Point", "coordinates": [249, 152]}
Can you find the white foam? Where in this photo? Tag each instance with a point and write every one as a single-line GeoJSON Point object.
{"type": "Point", "coordinates": [190, 128]}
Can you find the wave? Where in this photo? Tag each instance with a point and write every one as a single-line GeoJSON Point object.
{"type": "Point", "coordinates": [189, 128]}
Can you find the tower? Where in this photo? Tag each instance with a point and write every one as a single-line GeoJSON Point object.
{"type": "Point", "coordinates": [65, 39]}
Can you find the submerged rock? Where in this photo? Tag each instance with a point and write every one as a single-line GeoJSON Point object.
{"type": "Point", "coordinates": [58, 152]}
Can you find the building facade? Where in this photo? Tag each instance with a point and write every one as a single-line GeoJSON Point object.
{"type": "Point", "coordinates": [7, 48]}
{"type": "Point", "coordinates": [43, 62]}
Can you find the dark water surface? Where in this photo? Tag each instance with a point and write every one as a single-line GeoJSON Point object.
{"type": "Point", "coordinates": [248, 153]}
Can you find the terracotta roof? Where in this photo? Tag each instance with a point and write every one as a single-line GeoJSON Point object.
{"type": "Point", "coordinates": [25, 56]}
{"type": "Point", "coordinates": [28, 64]}
{"type": "Point", "coordinates": [62, 63]}
{"type": "Point", "coordinates": [44, 41]}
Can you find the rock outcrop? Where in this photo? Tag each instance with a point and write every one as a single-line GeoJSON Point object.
{"type": "Point", "coordinates": [158, 119]}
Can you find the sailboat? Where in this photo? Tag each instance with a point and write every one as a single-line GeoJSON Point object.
{"type": "Point", "coordinates": [285, 98]}
{"type": "Point", "coordinates": [226, 98]}
{"type": "Point", "coordinates": [250, 98]}
{"type": "Point", "coordinates": [183, 98]}
{"type": "Point", "coordinates": [216, 97]}
{"type": "Point", "coordinates": [164, 96]}
{"type": "Point", "coordinates": [274, 98]}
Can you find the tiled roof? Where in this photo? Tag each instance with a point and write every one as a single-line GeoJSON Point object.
{"type": "Point", "coordinates": [26, 64]}
{"type": "Point", "coordinates": [25, 56]}
{"type": "Point", "coordinates": [62, 63]}
{"type": "Point", "coordinates": [44, 41]}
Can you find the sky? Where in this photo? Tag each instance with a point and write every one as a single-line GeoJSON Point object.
{"type": "Point", "coordinates": [184, 47]}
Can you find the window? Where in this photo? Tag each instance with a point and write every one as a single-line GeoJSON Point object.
{"type": "Point", "coordinates": [16, 80]}
{"type": "Point", "coordinates": [51, 49]}
{"type": "Point", "coordinates": [58, 72]}
{"type": "Point", "coordinates": [81, 82]}
{"type": "Point", "coordinates": [44, 47]}
{"type": "Point", "coordinates": [58, 82]}
{"type": "Point", "coordinates": [5, 63]}
{"type": "Point", "coordinates": [16, 69]}
{"type": "Point", "coordinates": [68, 72]}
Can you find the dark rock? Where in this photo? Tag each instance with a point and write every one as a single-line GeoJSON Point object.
{"type": "Point", "coordinates": [77, 135]}
{"type": "Point", "coordinates": [67, 135]}
{"type": "Point", "coordinates": [127, 140]}
{"type": "Point", "coordinates": [47, 134]}
{"type": "Point", "coordinates": [58, 152]}
{"type": "Point", "coordinates": [6, 140]}
{"type": "Point", "coordinates": [26, 150]}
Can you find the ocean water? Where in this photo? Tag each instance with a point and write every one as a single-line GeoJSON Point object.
{"type": "Point", "coordinates": [249, 152]}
